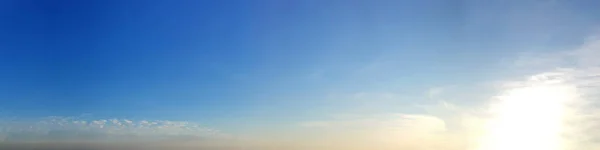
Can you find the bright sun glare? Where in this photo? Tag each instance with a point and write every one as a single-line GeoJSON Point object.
{"type": "Point", "coordinates": [529, 117]}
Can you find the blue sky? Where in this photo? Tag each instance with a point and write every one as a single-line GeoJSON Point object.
{"type": "Point", "coordinates": [252, 65]}
{"type": "Point", "coordinates": [193, 60]}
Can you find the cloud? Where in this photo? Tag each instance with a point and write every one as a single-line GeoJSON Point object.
{"type": "Point", "coordinates": [555, 101]}
{"type": "Point", "coordinates": [315, 124]}
{"type": "Point", "coordinates": [383, 131]}
{"type": "Point", "coordinates": [383, 121]}
{"type": "Point", "coordinates": [434, 92]}
{"type": "Point", "coordinates": [74, 129]}
{"type": "Point", "coordinates": [563, 88]}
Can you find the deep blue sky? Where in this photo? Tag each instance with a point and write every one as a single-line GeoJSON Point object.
{"type": "Point", "coordinates": [212, 61]}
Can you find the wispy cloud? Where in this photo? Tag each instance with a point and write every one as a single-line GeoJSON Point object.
{"type": "Point", "coordinates": [383, 131]}
{"type": "Point", "coordinates": [558, 94]}
{"type": "Point", "coordinates": [71, 128]}
{"type": "Point", "coordinates": [434, 92]}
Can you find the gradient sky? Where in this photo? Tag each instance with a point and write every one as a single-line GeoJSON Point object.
{"type": "Point", "coordinates": [253, 65]}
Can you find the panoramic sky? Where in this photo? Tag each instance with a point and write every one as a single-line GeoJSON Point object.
{"type": "Point", "coordinates": [302, 74]}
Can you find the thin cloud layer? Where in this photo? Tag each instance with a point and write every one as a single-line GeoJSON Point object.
{"type": "Point", "coordinates": [73, 129]}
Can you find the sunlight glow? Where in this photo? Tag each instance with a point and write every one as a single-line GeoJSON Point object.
{"type": "Point", "coordinates": [529, 117]}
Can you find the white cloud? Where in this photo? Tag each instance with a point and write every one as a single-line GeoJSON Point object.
{"type": "Point", "coordinates": [68, 128]}
{"type": "Point", "coordinates": [570, 77]}
{"type": "Point", "coordinates": [383, 121]}
{"type": "Point", "coordinates": [384, 131]}
{"type": "Point", "coordinates": [315, 124]}
{"type": "Point", "coordinates": [434, 92]}
{"type": "Point", "coordinates": [524, 111]}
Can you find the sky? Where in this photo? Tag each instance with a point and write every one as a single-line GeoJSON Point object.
{"type": "Point", "coordinates": [307, 74]}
